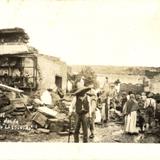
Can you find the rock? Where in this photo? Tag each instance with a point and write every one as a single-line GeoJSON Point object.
{"type": "Point", "coordinates": [17, 113]}
{"type": "Point", "coordinates": [56, 126]}
{"type": "Point", "coordinates": [117, 140]}
{"type": "Point", "coordinates": [40, 119]}
{"type": "Point", "coordinates": [37, 101]}
{"type": "Point", "coordinates": [18, 103]}
{"type": "Point", "coordinates": [6, 108]}
{"type": "Point", "coordinates": [61, 116]}
{"type": "Point", "coordinates": [2, 137]}
{"type": "Point", "coordinates": [117, 133]}
{"type": "Point", "coordinates": [11, 95]}
{"type": "Point", "coordinates": [42, 130]}
{"type": "Point", "coordinates": [47, 111]}
{"type": "Point", "coordinates": [52, 120]}
{"type": "Point", "coordinates": [65, 133]}
{"type": "Point", "coordinates": [20, 110]}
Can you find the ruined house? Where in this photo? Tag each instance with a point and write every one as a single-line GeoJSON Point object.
{"type": "Point", "coordinates": [23, 67]}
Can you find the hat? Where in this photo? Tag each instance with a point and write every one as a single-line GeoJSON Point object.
{"type": "Point", "coordinates": [124, 93]}
{"type": "Point", "coordinates": [117, 81]}
{"type": "Point", "coordinates": [81, 91]}
{"type": "Point", "coordinates": [91, 93]}
{"type": "Point", "coordinates": [49, 89]}
{"type": "Point", "coordinates": [112, 85]}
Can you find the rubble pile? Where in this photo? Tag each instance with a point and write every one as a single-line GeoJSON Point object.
{"type": "Point", "coordinates": [24, 113]}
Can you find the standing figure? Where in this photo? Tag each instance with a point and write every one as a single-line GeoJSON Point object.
{"type": "Point", "coordinates": [80, 105]}
{"type": "Point", "coordinates": [80, 83]}
{"type": "Point", "coordinates": [150, 108]}
{"type": "Point", "coordinates": [92, 111]}
{"type": "Point", "coordinates": [117, 85]}
{"type": "Point", "coordinates": [104, 96]}
{"type": "Point", "coordinates": [130, 110]}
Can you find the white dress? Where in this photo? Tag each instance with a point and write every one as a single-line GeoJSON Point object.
{"type": "Point", "coordinates": [131, 120]}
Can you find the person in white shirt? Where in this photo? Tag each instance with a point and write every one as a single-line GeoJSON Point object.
{"type": "Point", "coordinates": [117, 86]}
{"type": "Point", "coordinates": [80, 84]}
{"type": "Point", "coordinates": [46, 97]}
{"type": "Point", "coordinates": [150, 108]}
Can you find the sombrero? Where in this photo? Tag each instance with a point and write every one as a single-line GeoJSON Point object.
{"type": "Point", "coordinates": [91, 93]}
{"type": "Point", "coordinates": [81, 91]}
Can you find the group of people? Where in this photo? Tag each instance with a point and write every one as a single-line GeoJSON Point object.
{"type": "Point", "coordinates": [137, 111]}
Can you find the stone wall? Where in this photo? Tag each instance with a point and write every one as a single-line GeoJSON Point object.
{"type": "Point", "coordinates": [133, 79]}
{"type": "Point", "coordinates": [155, 84]}
{"type": "Point", "coordinates": [48, 68]}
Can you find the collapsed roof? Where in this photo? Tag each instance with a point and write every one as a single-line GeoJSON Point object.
{"type": "Point", "coordinates": [13, 41]}
{"type": "Point", "coordinates": [13, 35]}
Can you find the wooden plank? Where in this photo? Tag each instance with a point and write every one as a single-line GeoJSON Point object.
{"type": "Point", "coordinates": [11, 88]}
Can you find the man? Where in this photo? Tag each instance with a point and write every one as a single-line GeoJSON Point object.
{"type": "Point", "coordinates": [117, 85]}
{"type": "Point", "coordinates": [104, 96]}
{"type": "Point", "coordinates": [150, 107]}
{"type": "Point", "coordinates": [92, 111]}
{"type": "Point", "coordinates": [80, 105]}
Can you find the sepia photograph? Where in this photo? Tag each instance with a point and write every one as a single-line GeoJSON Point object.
{"type": "Point", "coordinates": [80, 71]}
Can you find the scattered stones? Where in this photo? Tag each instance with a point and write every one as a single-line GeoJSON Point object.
{"type": "Point", "coordinates": [42, 130]}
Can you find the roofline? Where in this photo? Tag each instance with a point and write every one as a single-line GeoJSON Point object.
{"type": "Point", "coordinates": [12, 30]}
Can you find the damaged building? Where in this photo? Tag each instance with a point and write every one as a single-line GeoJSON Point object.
{"type": "Point", "coordinates": [23, 67]}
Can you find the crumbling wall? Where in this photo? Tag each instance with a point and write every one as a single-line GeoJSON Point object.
{"type": "Point", "coordinates": [48, 68]}
{"type": "Point", "coordinates": [155, 84]}
{"type": "Point", "coordinates": [133, 79]}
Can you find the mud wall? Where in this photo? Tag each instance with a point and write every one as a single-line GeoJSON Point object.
{"type": "Point", "coordinates": [48, 68]}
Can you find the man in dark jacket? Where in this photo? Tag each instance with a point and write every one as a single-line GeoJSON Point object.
{"type": "Point", "coordinates": [80, 105]}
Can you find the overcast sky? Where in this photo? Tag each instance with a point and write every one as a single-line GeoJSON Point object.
{"type": "Point", "coordinates": [103, 32]}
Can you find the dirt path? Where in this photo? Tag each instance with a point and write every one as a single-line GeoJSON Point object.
{"type": "Point", "coordinates": [111, 133]}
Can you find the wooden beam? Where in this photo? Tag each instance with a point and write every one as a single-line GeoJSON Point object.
{"type": "Point", "coordinates": [11, 88]}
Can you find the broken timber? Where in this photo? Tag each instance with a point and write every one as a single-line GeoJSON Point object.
{"type": "Point", "coordinates": [11, 88]}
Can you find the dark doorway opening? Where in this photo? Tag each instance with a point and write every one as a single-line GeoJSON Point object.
{"type": "Point", "coordinates": [58, 81]}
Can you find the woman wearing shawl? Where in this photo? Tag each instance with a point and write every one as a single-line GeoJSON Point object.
{"type": "Point", "coordinates": [130, 110]}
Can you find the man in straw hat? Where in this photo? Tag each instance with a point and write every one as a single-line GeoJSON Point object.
{"type": "Point", "coordinates": [80, 105]}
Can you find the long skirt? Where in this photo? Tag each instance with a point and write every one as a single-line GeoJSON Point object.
{"type": "Point", "coordinates": [130, 123]}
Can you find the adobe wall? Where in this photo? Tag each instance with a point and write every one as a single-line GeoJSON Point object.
{"type": "Point", "coordinates": [48, 68]}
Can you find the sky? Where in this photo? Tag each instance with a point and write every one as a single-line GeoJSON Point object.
{"type": "Point", "coordinates": [89, 32]}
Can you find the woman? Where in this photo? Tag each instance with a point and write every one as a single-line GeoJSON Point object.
{"type": "Point", "coordinates": [131, 108]}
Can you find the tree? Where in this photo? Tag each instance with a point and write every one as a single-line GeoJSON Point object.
{"type": "Point", "coordinates": [89, 75]}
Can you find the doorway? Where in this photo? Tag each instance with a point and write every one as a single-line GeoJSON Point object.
{"type": "Point", "coordinates": [58, 81]}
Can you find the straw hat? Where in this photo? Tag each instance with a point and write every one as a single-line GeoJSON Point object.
{"type": "Point", "coordinates": [81, 91]}
{"type": "Point", "coordinates": [91, 93]}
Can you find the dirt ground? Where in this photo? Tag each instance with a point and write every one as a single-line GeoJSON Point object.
{"type": "Point", "coordinates": [111, 133]}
